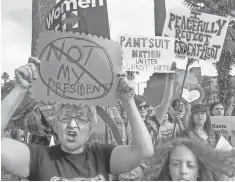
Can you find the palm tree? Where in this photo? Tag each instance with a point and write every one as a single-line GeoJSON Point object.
{"type": "Point", "coordinates": [227, 58]}
{"type": "Point", "coordinates": [5, 77]}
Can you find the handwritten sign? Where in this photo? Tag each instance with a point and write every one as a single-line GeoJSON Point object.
{"type": "Point", "coordinates": [225, 125]}
{"type": "Point", "coordinates": [223, 145]}
{"type": "Point", "coordinates": [150, 54]}
{"type": "Point", "coordinates": [198, 35]}
{"type": "Point", "coordinates": [77, 69]}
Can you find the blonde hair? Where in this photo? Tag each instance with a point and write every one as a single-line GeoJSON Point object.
{"type": "Point", "coordinates": [212, 163]}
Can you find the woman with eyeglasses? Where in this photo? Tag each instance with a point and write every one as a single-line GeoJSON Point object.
{"type": "Point", "coordinates": [150, 112]}
{"type": "Point", "coordinates": [142, 107]}
{"type": "Point", "coordinates": [73, 159]}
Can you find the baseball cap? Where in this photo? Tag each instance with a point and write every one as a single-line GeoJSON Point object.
{"type": "Point", "coordinates": [198, 107]}
{"type": "Point", "coordinates": [139, 99]}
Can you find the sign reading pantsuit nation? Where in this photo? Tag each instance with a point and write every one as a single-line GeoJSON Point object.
{"type": "Point", "coordinates": [150, 54]}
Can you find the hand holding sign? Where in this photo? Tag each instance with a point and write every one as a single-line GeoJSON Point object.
{"type": "Point", "coordinates": [127, 90]}
{"type": "Point", "coordinates": [27, 74]}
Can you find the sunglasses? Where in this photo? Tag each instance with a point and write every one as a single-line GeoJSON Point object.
{"type": "Point", "coordinates": [142, 107]}
{"type": "Point", "coordinates": [80, 119]}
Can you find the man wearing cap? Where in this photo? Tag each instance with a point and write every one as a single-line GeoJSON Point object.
{"type": "Point", "coordinates": [73, 159]}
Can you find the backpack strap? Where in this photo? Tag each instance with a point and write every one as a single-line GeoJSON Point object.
{"type": "Point", "coordinates": [109, 121]}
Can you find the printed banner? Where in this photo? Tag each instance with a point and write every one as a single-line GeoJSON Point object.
{"type": "Point", "coordinates": [90, 17]}
{"type": "Point", "coordinates": [197, 35]}
{"type": "Point", "coordinates": [225, 125]}
{"type": "Point", "coordinates": [77, 69]}
{"type": "Point", "coordinates": [149, 54]}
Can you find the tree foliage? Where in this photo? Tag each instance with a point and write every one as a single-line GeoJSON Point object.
{"type": "Point", "coordinates": [5, 77]}
{"type": "Point", "coordinates": [227, 59]}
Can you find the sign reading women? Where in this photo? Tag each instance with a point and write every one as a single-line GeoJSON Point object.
{"type": "Point", "coordinates": [88, 16]}
{"type": "Point", "coordinates": [198, 35]}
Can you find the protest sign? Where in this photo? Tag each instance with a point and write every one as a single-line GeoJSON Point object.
{"type": "Point", "coordinates": [192, 93]}
{"type": "Point", "coordinates": [79, 16]}
{"type": "Point", "coordinates": [197, 35]}
{"type": "Point", "coordinates": [150, 54]}
{"type": "Point", "coordinates": [225, 125]}
{"type": "Point", "coordinates": [77, 69]}
{"type": "Point", "coordinates": [223, 145]}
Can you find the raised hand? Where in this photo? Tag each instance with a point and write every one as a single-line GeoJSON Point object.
{"type": "Point", "coordinates": [126, 89]}
{"type": "Point", "coordinates": [27, 74]}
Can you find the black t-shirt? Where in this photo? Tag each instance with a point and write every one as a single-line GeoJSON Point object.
{"type": "Point", "coordinates": [53, 164]}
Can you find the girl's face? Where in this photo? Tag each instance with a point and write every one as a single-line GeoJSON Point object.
{"type": "Point", "coordinates": [218, 110]}
{"type": "Point", "coordinates": [183, 164]}
{"type": "Point", "coordinates": [199, 118]}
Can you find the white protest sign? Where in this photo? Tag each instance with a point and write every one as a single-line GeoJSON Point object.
{"type": "Point", "coordinates": [197, 35]}
{"type": "Point", "coordinates": [150, 54]}
{"type": "Point", "coordinates": [223, 145]}
{"type": "Point", "coordinates": [225, 125]}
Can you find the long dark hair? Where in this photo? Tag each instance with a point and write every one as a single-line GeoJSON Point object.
{"type": "Point", "coordinates": [207, 125]}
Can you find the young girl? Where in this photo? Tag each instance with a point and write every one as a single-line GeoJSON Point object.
{"type": "Point", "coordinates": [189, 160]}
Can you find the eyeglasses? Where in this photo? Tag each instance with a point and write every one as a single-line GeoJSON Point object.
{"type": "Point", "coordinates": [142, 107]}
{"type": "Point", "coordinates": [80, 119]}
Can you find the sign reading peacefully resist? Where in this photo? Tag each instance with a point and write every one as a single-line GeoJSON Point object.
{"type": "Point", "coordinates": [77, 69]}
{"type": "Point", "coordinates": [197, 35]}
{"type": "Point", "coordinates": [150, 54]}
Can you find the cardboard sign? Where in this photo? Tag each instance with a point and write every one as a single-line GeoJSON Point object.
{"type": "Point", "coordinates": [197, 35]}
{"type": "Point", "coordinates": [149, 54]}
{"type": "Point", "coordinates": [225, 125]}
{"type": "Point", "coordinates": [79, 16]}
{"type": "Point", "coordinates": [77, 69]}
{"type": "Point", "coordinates": [192, 93]}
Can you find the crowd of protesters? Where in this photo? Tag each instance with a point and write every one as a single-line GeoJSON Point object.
{"type": "Point", "coordinates": [172, 141]}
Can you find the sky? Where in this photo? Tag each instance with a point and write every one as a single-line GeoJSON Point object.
{"type": "Point", "coordinates": [125, 16]}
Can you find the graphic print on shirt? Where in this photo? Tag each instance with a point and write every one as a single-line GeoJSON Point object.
{"type": "Point", "coordinates": [97, 178]}
{"type": "Point", "coordinates": [167, 134]}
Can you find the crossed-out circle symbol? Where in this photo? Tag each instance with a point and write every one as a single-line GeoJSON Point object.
{"type": "Point", "coordinates": [82, 67]}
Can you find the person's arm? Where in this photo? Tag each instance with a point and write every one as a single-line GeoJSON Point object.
{"type": "Point", "coordinates": [186, 115]}
{"type": "Point", "coordinates": [9, 105]}
{"type": "Point", "coordinates": [15, 155]}
{"type": "Point", "coordinates": [126, 158]}
{"type": "Point", "coordinates": [161, 111]}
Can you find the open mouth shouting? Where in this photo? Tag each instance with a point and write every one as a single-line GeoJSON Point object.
{"type": "Point", "coordinates": [71, 135]}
